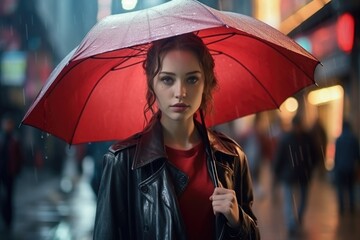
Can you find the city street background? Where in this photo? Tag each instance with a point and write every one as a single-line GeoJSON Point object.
{"type": "Point", "coordinates": [54, 197]}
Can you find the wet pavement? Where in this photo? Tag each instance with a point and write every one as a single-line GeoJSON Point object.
{"type": "Point", "coordinates": [321, 220]}
{"type": "Point", "coordinates": [63, 208]}
{"type": "Point", "coordinates": [48, 206]}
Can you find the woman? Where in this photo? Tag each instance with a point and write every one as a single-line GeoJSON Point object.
{"type": "Point", "coordinates": [347, 159]}
{"type": "Point", "coordinates": [157, 184]}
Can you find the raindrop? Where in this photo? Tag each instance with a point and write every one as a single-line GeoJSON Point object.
{"type": "Point", "coordinates": [35, 174]}
{"type": "Point", "coordinates": [32, 147]}
{"type": "Point", "coordinates": [24, 97]}
{"type": "Point", "coordinates": [27, 32]}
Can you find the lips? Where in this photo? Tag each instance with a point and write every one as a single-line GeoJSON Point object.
{"type": "Point", "coordinates": [179, 107]}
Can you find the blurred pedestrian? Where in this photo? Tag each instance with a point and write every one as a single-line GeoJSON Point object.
{"type": "Point", "coordinates": [96, 152]}
{"type": "Point", "coordinates": [80, 154]}
{"type": "Point", "coordinates": [252, 144]}
{"type": "Point", "coordinates": [320, 138]}
{"type": "Point", "coordinates": [10, 165]}
{"type": "Point", "coordinates": [347, 158]}
{"type": "Point", "coordinates": [293, 166]}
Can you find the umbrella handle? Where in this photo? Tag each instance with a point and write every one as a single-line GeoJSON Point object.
{"type": "Point", "coordinates": [209, 151]}
{"type": "Point", "coordinates": [220, 218]}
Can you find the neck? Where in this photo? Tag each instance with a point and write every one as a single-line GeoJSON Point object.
{"type": "Point", "coordinates": [180, 134]}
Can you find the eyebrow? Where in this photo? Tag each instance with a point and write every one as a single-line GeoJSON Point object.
{"type": "Point", "coordinates": [189, 73]}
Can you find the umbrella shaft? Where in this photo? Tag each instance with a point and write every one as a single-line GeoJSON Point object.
{"type": "Point", "coordinates": [209, 151]}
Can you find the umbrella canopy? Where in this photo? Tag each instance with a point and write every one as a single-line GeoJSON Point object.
{"type": "Point", "coordinates": [97, 92]}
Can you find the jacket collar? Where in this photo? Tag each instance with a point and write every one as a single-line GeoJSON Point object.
{"type": "Point", "coordinates": [151, 145]}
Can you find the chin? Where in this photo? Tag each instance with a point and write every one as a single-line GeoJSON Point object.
{"type": "Point", "coordinates": [178, 117]}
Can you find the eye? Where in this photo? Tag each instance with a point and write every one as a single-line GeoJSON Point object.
{"type": "Point", "coordinates": [192, 79]}
{"type": "Point", "coordinates": [167, 80]}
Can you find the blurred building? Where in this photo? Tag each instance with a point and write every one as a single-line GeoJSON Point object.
{"type": "Point", "coordinates": [22, 37]}
{"type": "Point", "coordinates": [34, 36]}
{"type": "Point", "coordinates": [329, 29]}
{"type": "Point", "coordinates": [332, 35]}
{"type": "Point", "coordinates": [25, 57]}
{"type": "Point", "coordinates": [121, 6]}
{"type": "Point", "coordinates": [67, 22]}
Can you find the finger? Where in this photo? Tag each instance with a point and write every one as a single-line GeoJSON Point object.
{"type": "Point", "coordinates": [215, 192]}
{"type": "Point", "coordinates": [222, 198]}
{"type": "Point", "coordinates": [225, 209]}
{"type": "Point", "coordinates": [223, 203]}
{"type": "Point", "coordinates": [223, 195]}
{"type": "Point", "coordinates": [219, 190]}
{"type": "Point", "coordinates": [228, 194]}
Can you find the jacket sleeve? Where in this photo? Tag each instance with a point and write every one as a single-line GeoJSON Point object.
{"type": "Point", "coordinates": [243, 188]}
{"type": "Point", "coordinates": [111, 209]}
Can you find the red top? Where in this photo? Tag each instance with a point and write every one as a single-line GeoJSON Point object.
{"type": "Point", "coordinates": [194, 202]}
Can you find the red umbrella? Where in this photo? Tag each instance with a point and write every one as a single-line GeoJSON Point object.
{"type": "Point", "coordinates": [97, 92]}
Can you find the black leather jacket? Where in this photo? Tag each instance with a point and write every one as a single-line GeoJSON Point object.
{"type": "Point", "coordinates": [138, 192]}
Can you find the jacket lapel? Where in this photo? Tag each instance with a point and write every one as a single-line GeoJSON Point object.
{"type": "Point", "coordinates": [150, 145]}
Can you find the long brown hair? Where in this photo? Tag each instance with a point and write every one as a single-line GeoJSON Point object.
{"type": "Point", "coordinates": [189, 42]}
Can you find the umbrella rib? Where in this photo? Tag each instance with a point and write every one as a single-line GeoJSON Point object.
{"type": "Point", "coordinates": [259, 82]}
{"type": "Point", "coordinates": [81, 61]}
{"type": "Point", "coordinates": [141, 53]}
{"type": "Point", "coordinates": [207, 9]}
{"type": "Point", "coordinates": [68, 70]}
{"type": "Point", "coordinates": [92, 90]}
{"type": "Point", "coordinates": [118, 57]}
{"type": "Point", "coordinates": [225, 36]}
{"type": "Point", "coordinates": [49, 91]}
{"type": "Point", "coordinates": [123, 67]}
{"type": "Point", "coordinates": [85, 104]}
{"type": "Point", "coordinates": [127, 59]}
{"type": "Point", "coordinates": [229, 35]}
{"type": "Point", "coordinates": [279, 52]}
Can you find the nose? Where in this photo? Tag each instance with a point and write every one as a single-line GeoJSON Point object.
{"type": "Point", "coordinates": [180, 91]}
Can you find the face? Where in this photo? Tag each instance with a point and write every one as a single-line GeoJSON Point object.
{"type": "Point", "coordinates": [179, 86]}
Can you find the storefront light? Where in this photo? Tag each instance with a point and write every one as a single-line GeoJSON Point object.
{"type": "Point", "coordinates": [325, 95]}
{"type": "Point", "coordinates": [128, 4]}
{"type": "Point", "coordinates": [345, 32]}
{"type": "Point", "coordinates": [291, 104]}
{"type": "Point", "coordinates": [268, 11]}
{"type": "Point", "coordinates": [302, 14]}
